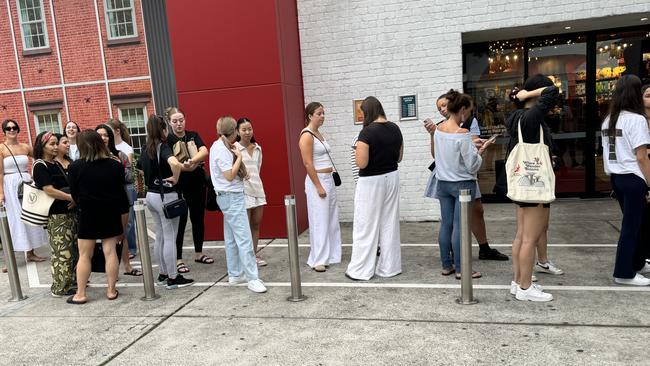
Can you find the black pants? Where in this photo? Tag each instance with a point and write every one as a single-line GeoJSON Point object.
{"type": "Point", "coordinates": [194, 194]}
{"type": "Point", "coordinates": [645, 232]}
{"type": "Point", "coordinates": [630, 192]}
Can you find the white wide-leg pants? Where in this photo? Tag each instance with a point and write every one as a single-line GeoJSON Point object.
{"type": "Point", "coordinates": [324, 229]}
{"type": "Point", "coordinates": [376, 220]}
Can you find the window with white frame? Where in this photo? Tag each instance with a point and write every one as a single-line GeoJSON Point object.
{"type": "Point", "coordinates": [120, 19]}
{"type": "Point", "coordinates": [135, 118]}
{"type": "Point", "coordinates": [48, 121]}
{"type": "Point", "coordinates": [32, 24]}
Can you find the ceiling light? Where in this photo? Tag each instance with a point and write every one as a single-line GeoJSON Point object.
{"type": "Point", "coordinates": [644, 19]}
{"type": "Point", "coordinates": [567, 27]}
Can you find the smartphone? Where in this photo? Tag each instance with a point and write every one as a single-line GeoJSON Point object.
{"type": "Point", "coordinates": [492, 138]}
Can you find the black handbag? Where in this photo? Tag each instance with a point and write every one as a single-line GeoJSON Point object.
{"type": "Point", "coordinates": [174, 208]}
{"type": "Point", "coordinates": [335, 174]}
{"type": "Point", "coordinates": [211, 197]}
{"type": "Point", "coordinates": [98, 261]}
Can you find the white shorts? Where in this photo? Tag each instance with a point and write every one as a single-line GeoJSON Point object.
{"type": "Point", "coordinates": [252, 202]}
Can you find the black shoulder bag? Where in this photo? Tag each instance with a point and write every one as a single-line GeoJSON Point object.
{"type": "Point", "coordinates": [335, 174]}
{"type": "Point", "coordinates": [174, 208]}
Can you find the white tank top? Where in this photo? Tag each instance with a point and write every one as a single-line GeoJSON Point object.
{"type": "Point", "coordinates": [321, 149]}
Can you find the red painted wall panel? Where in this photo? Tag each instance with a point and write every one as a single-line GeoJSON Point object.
{"type": "Point", "coordinates": [243, 59]}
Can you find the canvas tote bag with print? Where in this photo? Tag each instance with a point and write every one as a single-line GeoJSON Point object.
{"type": "Point", "coordinates": [529, 171]}
{"type": "Point", "coordinates": [36, 203]}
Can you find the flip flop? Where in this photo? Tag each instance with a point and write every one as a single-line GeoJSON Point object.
{"type": "Point", "coordinates": [448, 271]}
{"type": "Point", "coordinates": [134, 272]}
{"type": "Point", "coordinates": [475, 274]}
{"type": "Point", "coordinates": [36, 259]}
{"type": "Point", "coordinates": [117, 293]}
{"type": "Point", "coordinates": [205, 260]}
{"type": "Point", "coordinates": [131, 255]}
{"type": "Point", "coordinates": [72, 301]}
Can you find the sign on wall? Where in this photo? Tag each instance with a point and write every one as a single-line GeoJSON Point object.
{"type": "Point", "coordinates": [358, 114]}
{"type": "Point", "coordinates": [408, 107]}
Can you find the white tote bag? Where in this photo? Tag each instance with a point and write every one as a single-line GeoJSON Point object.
{"type": "Point", "coordinates": [529, 171]}
{"type": "Point", "coordinates": [36, 204]}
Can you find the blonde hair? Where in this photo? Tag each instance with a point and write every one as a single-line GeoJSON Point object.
{"type": "Point", "coordinates": [226, 126]}
{"type": "Point", "coordinates": [172, 110]}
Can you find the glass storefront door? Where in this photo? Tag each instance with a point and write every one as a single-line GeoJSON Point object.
{"type": "Point", "coordinates": [617, 54]}
{"type": "Point", "coordinates": [564, 60]}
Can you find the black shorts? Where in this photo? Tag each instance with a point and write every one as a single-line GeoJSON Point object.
{"type": "Point", "coordinates": [526, 204]}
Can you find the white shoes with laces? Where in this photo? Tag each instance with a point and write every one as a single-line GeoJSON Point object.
{"type": "Point", "coordinates": [637, 280]}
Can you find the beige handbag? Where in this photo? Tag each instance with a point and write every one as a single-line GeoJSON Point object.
{"type": "Point", "coordinates": [192, 149]}
{"type": "Point", "coordinates": [529, 171]}
{"type": "Point", "coordinates": [180, 151]}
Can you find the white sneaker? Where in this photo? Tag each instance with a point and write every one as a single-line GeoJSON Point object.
{"type": "Point", "coordinates": [533, 293]}
{"type": "Point", "coordinates": [645, 269]}
{"type": "Point", "coordinates": [638, 280]}
{"type": "Point", "coordinates": [237, 280]}
{"type": "Point", "coordinates": [514, 285]}
{"type": "Point", "coordinates": [533, 278]}
{"type": "Point", "coordinates": [548, 267]}
{"type": "Point", "coordinates": [256, 286]}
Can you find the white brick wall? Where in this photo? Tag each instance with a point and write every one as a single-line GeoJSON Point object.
{"type": "Point", "coordinates": [386, 48]}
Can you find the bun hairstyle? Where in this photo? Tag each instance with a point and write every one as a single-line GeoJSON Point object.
{"type": "Point", "coordinates": [457, 100]}
{"type": "Point", "coordinates": [310, 109]}
{"type": "Point", "coordinates": [172, 110]}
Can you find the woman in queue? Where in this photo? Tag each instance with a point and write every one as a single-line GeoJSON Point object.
{"type": "Point", "coordinates": [192, 184]}
{"type": "Point", "coordinates": [161, 171]}
{"type": "Point", "coordinates": [538, 96]}
{"type": "Point", "coordinates": [121, 136]}
{"type": "Point", "coordinates": [228, 172]}
{"type": "Point", "coordinates": [97, 186]}
{"type": "Point", "coordinates": [106, 133]}
{"type": "Point", "coordinates": [457, 164]}
{"type": "Point", "coordinates": [253, 188]}
{"type": "Point", "coordinates": [379, 149]}
{"type": "Point", "coordinates": [322, 205]}
{"type": "Point", "coordinates": [51, 177]}
{"type": "Point", "coordinates": [15, 159]}
{"type": "Point", "coordinates": [625, 140]}
{"type": "Point", "coordinates": [71, 131]}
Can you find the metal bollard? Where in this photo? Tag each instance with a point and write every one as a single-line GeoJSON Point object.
{"type": "Point", "coordinates": [466, 289]}
{"type": "Point", "coordinates": [292, 238]}
{"type": "Point", "coordinates": [143, 245]}
{"type": "Point", "coordinates": [10, 259]}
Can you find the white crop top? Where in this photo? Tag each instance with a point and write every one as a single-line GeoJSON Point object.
{"type": "Point", "coordinates": [321, 149]}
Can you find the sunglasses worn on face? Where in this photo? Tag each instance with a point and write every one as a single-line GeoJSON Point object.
{"type": "Point", "coordinates": [11, 128]}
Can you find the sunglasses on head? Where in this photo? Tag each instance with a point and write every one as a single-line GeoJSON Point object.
{"type": "Point", "coordinates": [11, 128]}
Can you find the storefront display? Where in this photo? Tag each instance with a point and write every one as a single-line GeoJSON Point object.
{"type": "Point", "coordinates": [492, 69]}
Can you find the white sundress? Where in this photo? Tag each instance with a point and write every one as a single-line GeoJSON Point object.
{"type": "Point", "coordinates": [24, 237]}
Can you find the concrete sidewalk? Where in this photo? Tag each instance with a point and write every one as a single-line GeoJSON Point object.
{"type": "Point", "coordinates": [409, 319]}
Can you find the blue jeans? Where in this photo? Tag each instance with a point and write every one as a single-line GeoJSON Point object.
{"type": "Point", "coordinates": [449, 235]}
{"type": "Point", "coordinates": [130, 226]}
{"type": "Point", "coordinates": [240, 257]}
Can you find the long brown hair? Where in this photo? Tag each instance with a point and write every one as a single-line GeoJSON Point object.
{"type": "Point", "coordinates": [118, 125]}
{"type": "Point", "coordinates": [156, 126]}
{"type": "Point", "coordinates": [91, 146]}
{"type": "Point", "coordinates": [627, 96]}
{"type": "Point", "coordinates": [372, 109]}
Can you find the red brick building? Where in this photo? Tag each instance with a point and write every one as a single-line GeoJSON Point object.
{"type": "Point", "coordinates": [74, 60]}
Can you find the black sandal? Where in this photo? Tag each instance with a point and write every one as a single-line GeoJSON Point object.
{"type": "Point", "coordinates": [205, 260]}
{"type": "Point", "coordinates": [182, 268]}
{"type": "Point", "coordinates": [134, 272]}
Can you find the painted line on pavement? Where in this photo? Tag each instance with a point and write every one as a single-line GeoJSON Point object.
{"type": "Point", "coordinates": [424, 245]}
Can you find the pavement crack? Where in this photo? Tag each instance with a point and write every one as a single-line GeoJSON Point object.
{"type": "Point", "coordinates": [423, 321]}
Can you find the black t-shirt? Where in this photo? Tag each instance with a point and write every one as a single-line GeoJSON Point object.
{"type": "Point", "coordinates": [151, 168]}
{"type": "Point", "coordinates": [385, 141]}
{"type": "Point", "coordinates": [99, 185]}
{"type": "Point", "coordinates": [198, 175]}
{"type": "Point", "coordinates": [52, 174]}
{"type": "Point", "coordinates": [531, 120]}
